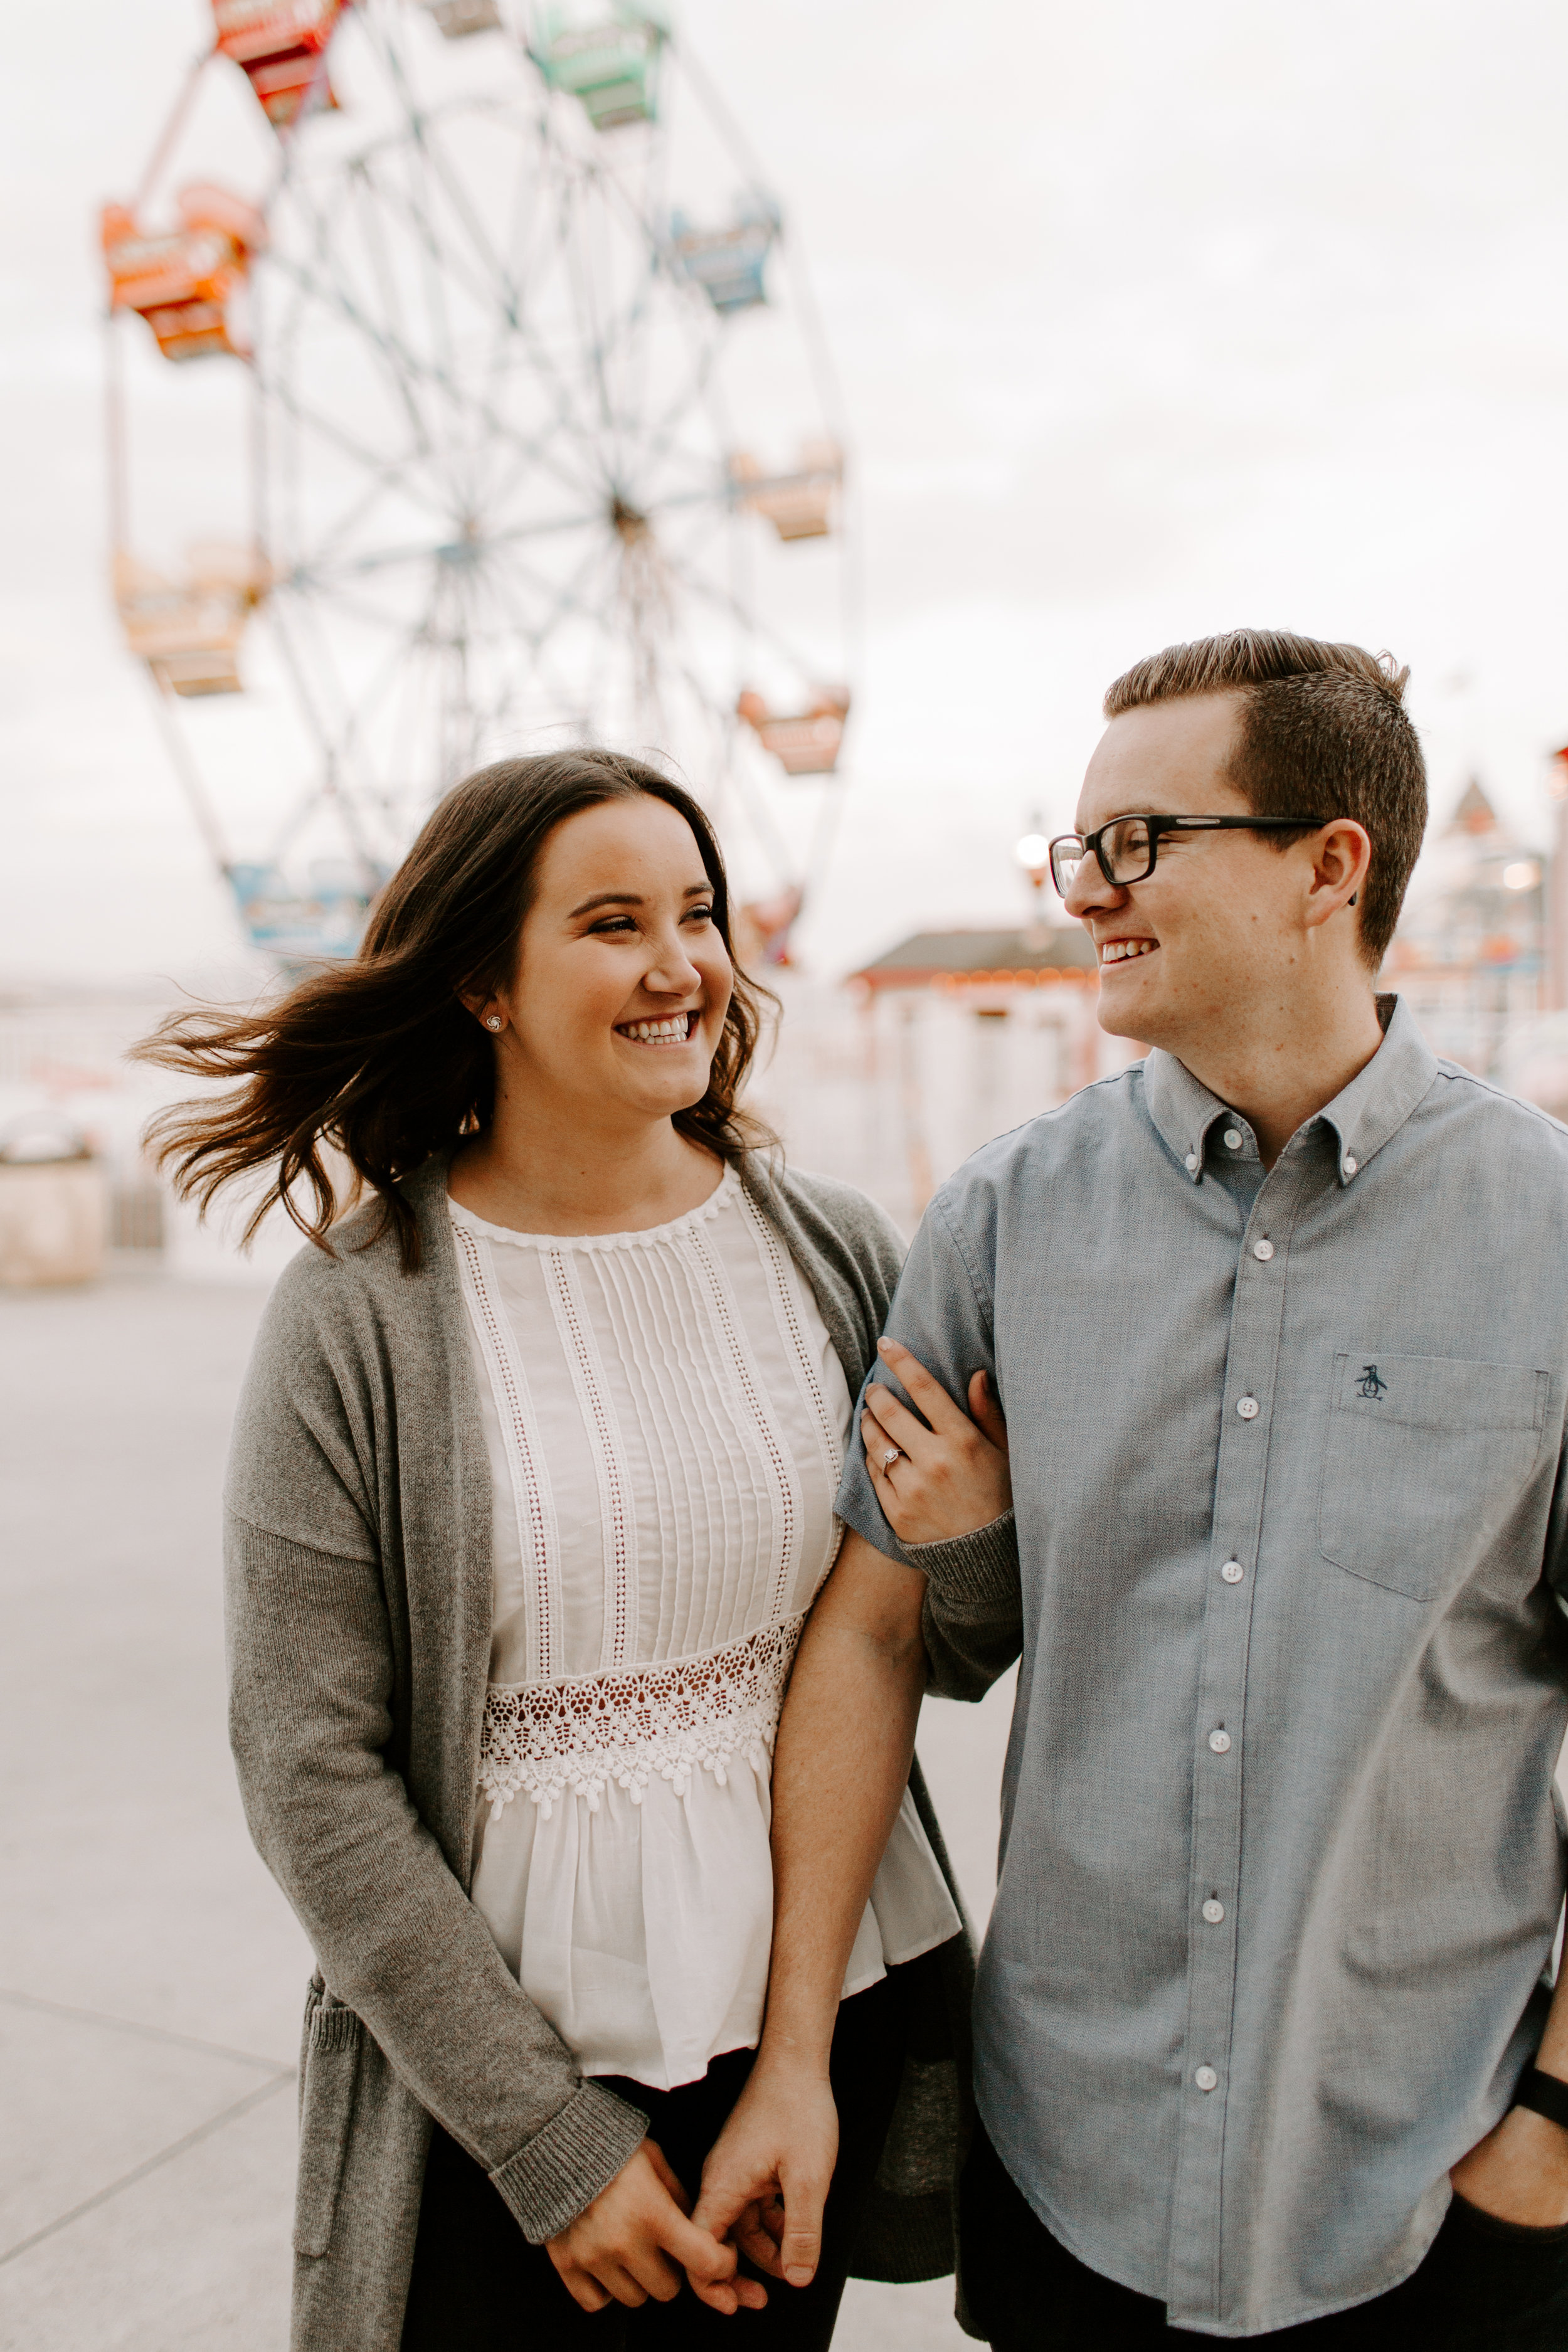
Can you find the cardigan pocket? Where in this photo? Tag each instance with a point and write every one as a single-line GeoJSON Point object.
{"type": "Point", "coordinates": [328, 2079]}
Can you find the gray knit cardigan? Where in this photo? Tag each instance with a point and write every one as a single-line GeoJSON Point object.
{"type": "Point", "coordinates": [358, 1582]}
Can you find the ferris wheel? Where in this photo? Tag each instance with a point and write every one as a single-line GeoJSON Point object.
{"type": "Point", "coordinates": [517, 430]}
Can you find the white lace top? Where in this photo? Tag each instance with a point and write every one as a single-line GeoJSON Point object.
{"type": "Point", "coordinates": [666, 1419]}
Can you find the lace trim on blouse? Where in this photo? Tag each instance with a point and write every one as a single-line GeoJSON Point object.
{"type": "Point", "coordinates": [663, 1721]}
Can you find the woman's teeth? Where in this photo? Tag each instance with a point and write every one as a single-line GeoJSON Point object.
{"type": "Point", "coordinates": [673, 1032]}
{"type": "Point", "coordinates": [1118, 951]}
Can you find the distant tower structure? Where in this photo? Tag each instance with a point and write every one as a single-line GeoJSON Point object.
{"type": "Point", "coordinates": [1557, 890]}
{"type": "Point", "coordinates": [1470, 954]}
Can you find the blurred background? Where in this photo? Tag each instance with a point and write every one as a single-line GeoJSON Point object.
{"type": "Point", "coordinates": [832, 398]}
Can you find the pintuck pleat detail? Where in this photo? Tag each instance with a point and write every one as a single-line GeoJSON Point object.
{"type": "Point", "coordinates": [672, 1439]}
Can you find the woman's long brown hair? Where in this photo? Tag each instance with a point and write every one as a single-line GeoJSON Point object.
{"type": "Point", "coordinates": [377, 1058]}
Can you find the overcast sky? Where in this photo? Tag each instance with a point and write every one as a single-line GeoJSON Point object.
{"type": "Point", "coordinates": [1151, 321]}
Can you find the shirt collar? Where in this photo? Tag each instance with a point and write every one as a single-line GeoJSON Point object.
{"type": "Point", "coordinates": [1363, 1115]}
{"type": "Point", "coordinates": [1380, 1098]}
{"type": "Point", "coordinates": [1182, 1109]}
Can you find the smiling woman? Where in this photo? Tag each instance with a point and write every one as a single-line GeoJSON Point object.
{"type": "Point", "coordinates": [609, 1026]}
{"type": "Point", "coordinates": [381, 1060]}
{"type": "Point", "coordinates": [531, 1491]}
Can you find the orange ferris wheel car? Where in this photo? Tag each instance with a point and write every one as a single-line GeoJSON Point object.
{"type": "Point", "coordinates": [282, 45]}
{"type": "Point", "coordinates": [180, 281]}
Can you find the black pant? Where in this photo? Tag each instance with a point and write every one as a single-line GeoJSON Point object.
{"type": "Point", "coordinates": [478, 2286]}
{"type": "Point", "coordinates": [1484, 2286]}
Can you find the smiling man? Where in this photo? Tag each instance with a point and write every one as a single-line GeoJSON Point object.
{"type": "Point", "coordinates": [1278, 1320]}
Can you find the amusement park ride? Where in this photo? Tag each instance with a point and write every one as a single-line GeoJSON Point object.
{"type": "Point", "coordinates": [509, 345]}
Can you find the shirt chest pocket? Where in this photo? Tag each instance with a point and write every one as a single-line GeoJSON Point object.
{"type": "Point", "coordinates": [1425, 1458]}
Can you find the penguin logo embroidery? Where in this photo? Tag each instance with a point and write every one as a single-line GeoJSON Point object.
{"type": "Point", "coordinates": [1370, 1384]}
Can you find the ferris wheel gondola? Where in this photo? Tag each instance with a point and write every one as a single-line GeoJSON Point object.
{"type": "Point", "coordinates": [510, 365]}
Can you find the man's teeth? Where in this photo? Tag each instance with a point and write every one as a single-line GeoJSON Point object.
{"type": "Point", "coordinates": [673, 1032]}
{"type": "Point", "coordinates": [1118, 951]}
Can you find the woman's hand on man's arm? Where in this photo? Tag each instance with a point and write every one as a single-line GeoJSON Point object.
{"type": "Point", "coordinates": [945, 1480]}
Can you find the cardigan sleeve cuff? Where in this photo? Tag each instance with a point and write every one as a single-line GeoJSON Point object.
{"type": "Point", "coordinates": [979, 1567]}
{"type": "Point", "coordinates": [560, 2171]}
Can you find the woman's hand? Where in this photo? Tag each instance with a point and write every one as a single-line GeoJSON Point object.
{"type": "Point", "coordinates": [628, 2244]}
{"type": "Point", "coordinates": [943, 1481]}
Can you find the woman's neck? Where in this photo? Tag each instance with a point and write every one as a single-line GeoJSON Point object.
{"type": "Point", "coordinates": [545, 1181]}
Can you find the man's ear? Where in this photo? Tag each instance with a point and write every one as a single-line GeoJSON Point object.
{"type": "Point", "coordinates": [1342, 857]}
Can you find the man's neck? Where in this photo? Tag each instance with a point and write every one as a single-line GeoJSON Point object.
{"type": "Point", "coordinates": [1278, 1077]}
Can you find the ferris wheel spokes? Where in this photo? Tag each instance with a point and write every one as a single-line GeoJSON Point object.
{"type": "Point", "coordinates": [497, 485]}
{"type": "Point", "coordinates": [407, 368]}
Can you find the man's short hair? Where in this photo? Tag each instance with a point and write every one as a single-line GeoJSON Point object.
{"type": "Point", "coordinates": [1323, 728]}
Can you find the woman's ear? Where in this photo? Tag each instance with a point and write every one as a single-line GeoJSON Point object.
{"type": "Point", "coordinates": [488, 1009]}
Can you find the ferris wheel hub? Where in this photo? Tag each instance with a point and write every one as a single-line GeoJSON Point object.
{"type": "Point", "coordinates": [627, 521]}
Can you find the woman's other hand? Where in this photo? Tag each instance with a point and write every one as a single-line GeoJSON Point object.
{"type": "Point", "coordinates": [634, 2241]}
{"type": "Point", "coordinates": [943, 1481]}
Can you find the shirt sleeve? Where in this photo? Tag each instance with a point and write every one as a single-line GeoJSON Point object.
{"type": "Point", "coordinates": [942, 1312]}
{"type": "Point", "coordinates": [972, 1618]}
{"type": "Point", "coordinates": [1556, 1560]}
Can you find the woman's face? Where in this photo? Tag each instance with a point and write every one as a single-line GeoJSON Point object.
{"type": "Point", "coordinates": [622, 979]}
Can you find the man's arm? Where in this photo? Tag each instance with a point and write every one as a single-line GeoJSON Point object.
{"type": "Point", "coordinates": [847, 1730]}
{"type": "Point", "coordinates": [1520, 2171]}
{"type": "Point", "coordinates": [846, 1740]}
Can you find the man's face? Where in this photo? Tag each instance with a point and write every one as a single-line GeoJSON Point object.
{"type": "Point", "coordinates": [1188, 957]}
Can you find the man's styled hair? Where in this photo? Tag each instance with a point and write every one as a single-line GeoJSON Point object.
{"type": "Point", "coordinates": [1323, 728]}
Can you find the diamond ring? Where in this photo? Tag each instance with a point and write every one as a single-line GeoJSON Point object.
{"type": "Point", "coordinates": [894, 1453]}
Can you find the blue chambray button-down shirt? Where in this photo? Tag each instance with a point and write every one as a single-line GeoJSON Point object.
{"type": "Point", "coordinates": [1280, 1866]}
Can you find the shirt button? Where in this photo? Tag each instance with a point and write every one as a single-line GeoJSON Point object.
{"type": "Point", "coordinates": [1233, 1139]}
{"type": "Point", "coordinates": [1220, 1742]}
{"type": "Point", "coordinates": [1214, 1912]}
{"type": "Point", "coordinates": [1192, 1164]}
{"type": "Point", "coordinates": [1265, 1250]}
{"type": "Point", "coordinates": [1233, 1571]}
{"type": "Point", "coordinates": [1206, 2079]}
{"type": "Point", "coordinates": [1247, 1408]}
{"type": "Point", "coordinates": [1349, 1167]}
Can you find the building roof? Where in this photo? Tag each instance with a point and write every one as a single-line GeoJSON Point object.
{"type": "Point", "coordinates": [995, 955]}
{"type": "Point", "coordinates": [1475, 813]}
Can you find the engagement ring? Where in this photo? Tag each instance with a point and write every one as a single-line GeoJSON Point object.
{"type": "Point", "coordinates": [894, 1453]}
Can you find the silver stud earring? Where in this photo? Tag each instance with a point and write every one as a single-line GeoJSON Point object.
{"type": "Point", "coordinates": [493, 1020]}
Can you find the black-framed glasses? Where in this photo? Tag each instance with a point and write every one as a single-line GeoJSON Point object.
{"type": "Point", "coordinates": [1127, 849]}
